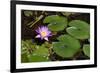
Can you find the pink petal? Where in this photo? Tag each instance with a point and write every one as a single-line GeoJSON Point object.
{"type": "Point", "coordinates": [46, 39]}
{"type": "Point", "coordinates": [38, 36]}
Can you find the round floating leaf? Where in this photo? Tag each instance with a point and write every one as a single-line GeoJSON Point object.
{"type": "Point", "coordinates": [66, 47]}
{"type": "Point", "coordinates": [41, 51]}
{"type": "Point", "coordinates": [28, 13]}
{"type": "Point", "coordinates": [39, 55]}
{"type": "Point", "coordinates": [86, 49]}
{"type": "Point", "coordinates": [67, 13]}
{"type": "Point", "coordinates": [51, 18]}
{"type": "Point", "coordinates": [72, 42]}
{"type": "Point", "coordinates": [56, 23]}
{"type": "Point", "coordinates": [79, 29]}
{"type": "Point", "coordinates": [37, 58]}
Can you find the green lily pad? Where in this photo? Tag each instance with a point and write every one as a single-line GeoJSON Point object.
{"type": "Point", "coordinates": [79, 29]}
{"type": "Point", "coordinates": [37, 58]}
{"type": "Point", "coordinates": [28, 13]}
{"type": "Point", "coordinates": [39, 55]}
{"type": "Point", "coordinates": [67, 46]}
{"type": "Point", "coordinates": [56, 23]}
{"type": "Point", "coordinates": [86, 50]}
{"type": "Point", "coordinates": [67, 13]}
{"type": "Point", "coordinates": [41, 51]}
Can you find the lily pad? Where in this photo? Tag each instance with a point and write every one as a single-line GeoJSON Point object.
{"type": "Point", "coordinates": [37, 58]}
{"type": "Point", "coordinates": [86, 50]}
{"type": "Point", "coordinates": [79, 29]}
{"type": "Point", "coordinates": [56, 23]}
{"type": "Point", "coordinates": [67, 13]}
{"type": "Point", "coordinates": [28, 13]}
{"type": "Point", "coordinates": [66, 47]}
{"type": "Point", "coordinates": [41, 51]}
{"type": "Point", "coordinates": [39, 55]}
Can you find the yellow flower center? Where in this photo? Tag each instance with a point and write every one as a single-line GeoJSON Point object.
{"type": "Point", "coordinates": [43, 33]}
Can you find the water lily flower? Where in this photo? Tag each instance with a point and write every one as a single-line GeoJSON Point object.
{"type": "Point", "coordinates": [43, 33]}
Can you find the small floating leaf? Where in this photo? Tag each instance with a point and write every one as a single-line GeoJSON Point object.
{"type": "Point", "coordinates": [56, 23]}
{"type": "Point", "coordinates": [72, 42]}
{"type": "Point", "coordinates": [86, 50]}
{"type": "Point", "coordinates": [67, 13]}
{"type": "Point", "coordinates": [79, 29]}
{"type": "Point", "coordinates": [37, 58]}
{"type": "Point", "coordinates": [41, 51]}
{"type": "Point", "coordinates": [28, 13]}
{"type": "Point", "coordinates": [39, 55]}
{"type": "Point", "coordinates": [66, 47]}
